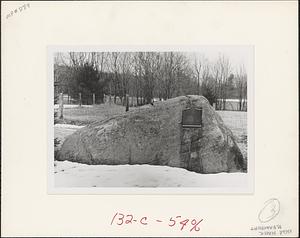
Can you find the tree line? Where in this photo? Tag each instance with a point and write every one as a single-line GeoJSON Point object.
{"type": "Point", "coordinates": [149, 75]}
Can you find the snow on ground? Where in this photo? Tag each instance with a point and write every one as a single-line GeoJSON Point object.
{"type": "Point", "coordinates": [61, 131]}
{"type": "Point", "coordinates": [71, 174]}
{"type": "Point", "coordinates": [237, 123]}
{"type": "Point", "coordinates": [56, 106]}
{"type": "Point", "coordinates": [68, 127]}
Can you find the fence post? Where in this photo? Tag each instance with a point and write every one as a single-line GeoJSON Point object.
{"type": "Point", "coordinates": [94, 99]}
{"type": "Point", "coordinates": [127, 102]}
{"type": "Point", "coordinates": [80, 100]}
{"type": "Point", "coordinates": [61, 106]}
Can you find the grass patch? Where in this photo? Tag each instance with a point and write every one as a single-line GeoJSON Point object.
{"type": "Point", "coordinates": [86, 115]}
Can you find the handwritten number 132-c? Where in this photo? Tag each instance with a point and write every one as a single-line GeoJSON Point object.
{"type": "Point", "coordinates": [128, 219]}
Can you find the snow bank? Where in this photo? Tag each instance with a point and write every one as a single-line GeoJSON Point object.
{"type": "Point", "coordinates": [232, 100]}
{"type": "Point", "coordinates": [56, 106]}
{"type": "Point", "coordinates": [71, 174]}
{"type": "Point", "coordinates": [68, 126]}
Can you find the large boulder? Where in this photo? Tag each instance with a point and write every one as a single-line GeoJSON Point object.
{"type": "Point", "coordinates": [154, 135]}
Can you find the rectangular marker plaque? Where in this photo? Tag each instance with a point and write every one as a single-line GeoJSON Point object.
{"type": "Point", "coordinates": [192, 117]}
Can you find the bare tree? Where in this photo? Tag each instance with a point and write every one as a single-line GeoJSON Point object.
{"type": "Point", "coordinates": [146, 60]}
{"type": "Point", "coordinates": [174, 65]}
{"type": "Point", "coordinates": [114, 58]}
{"type": "Point", "coordinates": [221, 72]}
{"type": "Point", "coordinates": [137, 75]}
{"type": "Point", "coordinates": [241, 85]}
{"type": "Point", "coordinates": [146, 75]}
{"type": "Point", "coordinates": [198, 64]}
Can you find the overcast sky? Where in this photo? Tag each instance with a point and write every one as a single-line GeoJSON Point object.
{"type": "Point", "coordinates": [238, 55]}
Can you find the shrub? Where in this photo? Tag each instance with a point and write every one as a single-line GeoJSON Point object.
{"type": "Point", "coordinates": [208, 92]}
{"type": "Point", "coordinates": [56, 140]}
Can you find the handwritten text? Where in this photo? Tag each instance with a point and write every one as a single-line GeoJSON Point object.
{"type": "Point", "coordinates": [177, 222]}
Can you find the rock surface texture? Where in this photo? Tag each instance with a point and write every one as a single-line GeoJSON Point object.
{"type": "Point", "coordinates": [154, 135]}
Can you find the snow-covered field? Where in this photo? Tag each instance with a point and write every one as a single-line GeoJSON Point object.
{"type": "Point", "coordinates": [69, 174]}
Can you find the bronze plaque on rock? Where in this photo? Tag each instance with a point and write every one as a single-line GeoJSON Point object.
{"type": "Point", "coordinates": [192, 117]}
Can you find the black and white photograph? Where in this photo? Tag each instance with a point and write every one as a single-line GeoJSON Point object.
{"type": "Point", "coordinates": [151, 119]}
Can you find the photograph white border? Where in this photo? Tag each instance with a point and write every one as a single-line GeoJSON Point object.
{"type": "Point", "coordinates": [249, 183]}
